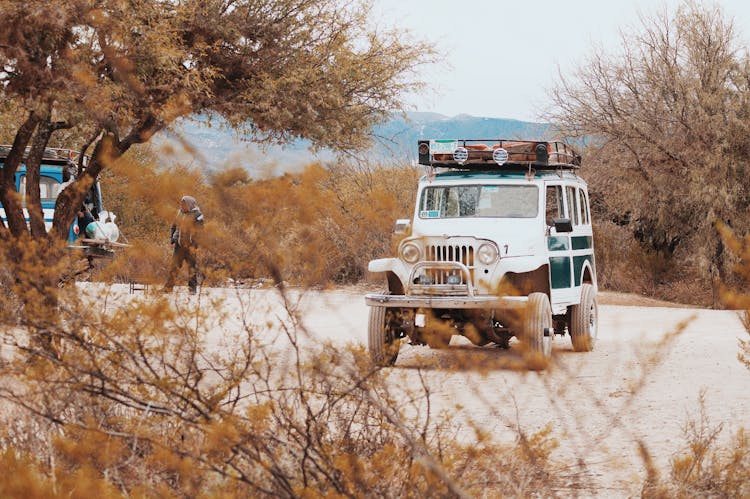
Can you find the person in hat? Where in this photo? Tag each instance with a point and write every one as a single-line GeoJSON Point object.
{"type": "Point", "coordinates": [185, 235]}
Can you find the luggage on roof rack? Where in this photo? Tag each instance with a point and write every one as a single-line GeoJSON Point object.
{"type": "Point", "coordinates": [497, 153]}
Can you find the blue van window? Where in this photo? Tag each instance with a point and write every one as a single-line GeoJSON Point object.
{"type": "Point", "coordinates": [49, 189]}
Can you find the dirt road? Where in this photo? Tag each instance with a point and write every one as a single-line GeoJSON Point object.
{"type": "Point", "coordinates": [651, 372]}
{"type": "Point", "coordinates": [643, 382]}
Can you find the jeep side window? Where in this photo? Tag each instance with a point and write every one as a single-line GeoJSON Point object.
{"type": "Point", "coordinates": [584, 208]}
{"type": "Point", "coordinates": [554, 206]}
{"type": "Point", "coordinates": [572, 205]}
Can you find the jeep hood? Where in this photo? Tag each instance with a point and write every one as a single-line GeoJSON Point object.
{"type": "Point", "coordinates": [514, 237]}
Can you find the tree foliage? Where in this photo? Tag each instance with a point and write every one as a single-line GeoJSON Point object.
{"type": "Point", "coordinates": [115, 72]}
{"type": "Point", "coordinates": [668, 120]}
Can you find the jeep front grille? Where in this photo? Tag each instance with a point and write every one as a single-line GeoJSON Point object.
{"type": "Point", "coordinates": [451, 253]}
{"type": "Point", "coordinates": [461, 253]}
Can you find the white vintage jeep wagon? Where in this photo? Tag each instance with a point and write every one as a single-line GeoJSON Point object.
{"type": "Point", "coordinates": [500, 246]}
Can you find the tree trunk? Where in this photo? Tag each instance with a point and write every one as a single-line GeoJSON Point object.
{"type": "Point", "coordinates": [9, 198]}
{"type": "Point", "coordinates": [71, 198]}
{"type": "Point", "coordinates": [33, 165]}
{"type": "Point", "coordinates": [11, 202]}
{"type": "Point", "coordinates": [719, 278]}
{"type": "Point", "coordinates": [107, 150]}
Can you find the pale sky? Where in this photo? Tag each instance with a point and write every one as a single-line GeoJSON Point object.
{"type": "Point", "coordinates": [502, 55]}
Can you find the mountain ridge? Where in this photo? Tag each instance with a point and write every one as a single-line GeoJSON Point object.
{"type": "Point", "coordinates": [217, 146]}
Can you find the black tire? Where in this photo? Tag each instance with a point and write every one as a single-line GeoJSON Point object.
{"type": "Point", "coordinates": [584, 320]}
{"type": "Point", "coordinates": [435, 339]}
{"type": "Point", "coordinates": [381, 342]}
{"type": "Point", "coordinates": [476, 334]}
{"type": "Point", "coordinates": [537, 327]}
{"type": "Point", "coordinates": [503, 343]}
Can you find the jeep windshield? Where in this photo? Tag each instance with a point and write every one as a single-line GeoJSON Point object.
{"type": "Point", "coordinates": [494, 201]}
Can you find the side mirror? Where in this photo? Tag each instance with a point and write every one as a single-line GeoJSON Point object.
{"type": "Point", "coordinates": [402, 227]}
{"type": "Point", "coordinates": [562, 225]}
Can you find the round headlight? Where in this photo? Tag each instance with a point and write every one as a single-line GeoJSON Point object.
{"type": "Point", "coordinates": [410, 252]}
{"type": "Point", "coordinates": [487, 254]}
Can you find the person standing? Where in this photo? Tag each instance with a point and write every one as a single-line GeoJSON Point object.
{"type": "Point", "coordinates": [185, 235]}
{"type": "Point", "coordinates": [84, 219]}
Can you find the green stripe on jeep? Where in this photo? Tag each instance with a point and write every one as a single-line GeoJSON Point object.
{"type": "Point", "coordinates": [582, 242]}
{"type": "Point", "coordinates": [560, 271]}
{"type": "Point", "coordinates": [558, 243]}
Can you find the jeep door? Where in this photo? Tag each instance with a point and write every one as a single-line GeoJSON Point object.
{"type": "Point", "coordinates": [581, 240]}
{"type": "Point", "coordinates": [559, 250]}
{"type": "Point", "coordinates": [571, 254]}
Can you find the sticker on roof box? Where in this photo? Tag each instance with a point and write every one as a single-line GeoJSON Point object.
{"type": "Point", "coordinates": [443, 146]}
{"type": "Point", "coordinates": [429, 214]}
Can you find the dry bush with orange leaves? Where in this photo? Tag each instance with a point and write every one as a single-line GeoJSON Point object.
{"type": "Point", "coordinates": [706, 467]}
{"type": "Point", "coordinates": [130, 398]}
{"type": "Point", "coordinates": [738, 297]}
{"type": "Point", "coordinates": [317, 227]}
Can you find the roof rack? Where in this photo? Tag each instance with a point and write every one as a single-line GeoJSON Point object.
{"type": "Point", "coordinates": [54, 155]}
{"type": "Point", "coordinates": [497, 153]}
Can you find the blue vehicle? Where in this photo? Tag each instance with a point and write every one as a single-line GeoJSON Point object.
{"type": "Point", "coordinates": [57, 170]}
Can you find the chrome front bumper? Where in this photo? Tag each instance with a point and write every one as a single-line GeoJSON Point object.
{"type": "Point", "coordinates": [460, 302]}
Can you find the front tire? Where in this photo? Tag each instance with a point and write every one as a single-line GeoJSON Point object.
{"type": "Point", "coordinates": [584, 320]}
{"type": "Point", "coordinates": [381, 340]}
{"type": "Point", "coordinates": [537, 331]}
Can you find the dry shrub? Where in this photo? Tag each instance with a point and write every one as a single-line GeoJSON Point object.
{"type": "Point", "coordinates": [707, 467]}
{"type": "Point", "coordinates": [134, 402]}
{"type": "Point", "coordinates": [321, 226]}
{"type": "Point", "coordinates": [623, 264]}
{"type": "Point", "coordinates": [737, 296]}
{"type": "Point", "coordinates": [317, 227]}
{"type": "Point", "coordinates": [147, 262]}
{"type": "Point", "coordinates": [11, 308]}
{"type": "Point", "coordinates": [666, 116]}
{"type": "Point", "coordinates": [619, 259]}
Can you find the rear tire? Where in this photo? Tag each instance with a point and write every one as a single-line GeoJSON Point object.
{"type": "Point", "coordinates": [584, 320]}
{"type": "Point", "coordinates": [537, 321]}
{"type": "Point", "coordinates": [381, 341]}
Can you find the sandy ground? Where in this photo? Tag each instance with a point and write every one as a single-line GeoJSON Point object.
{"type": "Point", "coordinates": [643, 382]}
